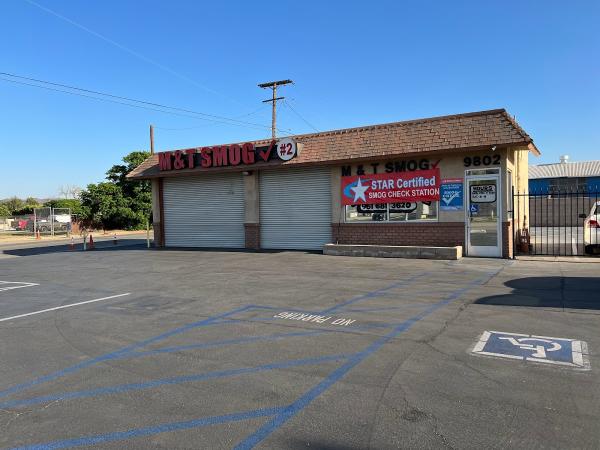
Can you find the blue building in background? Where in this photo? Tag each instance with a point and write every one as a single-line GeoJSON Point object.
{"type": "Point", "coordinates": [564, 177]}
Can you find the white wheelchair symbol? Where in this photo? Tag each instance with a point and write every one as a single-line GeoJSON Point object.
{"type": "Point", "coordinates": [540, 349]}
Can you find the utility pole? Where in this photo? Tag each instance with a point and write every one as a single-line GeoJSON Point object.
{"type": "Point", "coordinates": [273, 85]}
{"type": "Point", "coordinates": [151, 139]}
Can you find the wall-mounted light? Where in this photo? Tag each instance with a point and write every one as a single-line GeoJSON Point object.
{"type": "Point", "coordinates": [247, 173]}
{"type": "Point", "coordinates": [494, 148]}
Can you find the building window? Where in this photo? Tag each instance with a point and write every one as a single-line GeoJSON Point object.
{"type": "Point", "coordinates": [482, 171]}
{"type": "Point", "coordinates": [393, 212]}
{"type": "Point", "coordinates": [366, 213]}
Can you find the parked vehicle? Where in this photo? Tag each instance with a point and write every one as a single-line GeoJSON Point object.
{"type": "Point", "coordinates": [45, 226]}
{"type": "Point", "coordinates": [591, 230]}
{"type": "Point", "coordinates": [62, 223]}
{"type": "Point", "coordinates": [23, 224]}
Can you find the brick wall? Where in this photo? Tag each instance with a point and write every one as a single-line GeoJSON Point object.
{"type": "Point", "coordinates": [438, 234]}
{"type": "Point", "coordinates": [252, 231]}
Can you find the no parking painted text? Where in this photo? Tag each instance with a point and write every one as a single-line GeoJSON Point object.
{"type": "Point", "coordinates": [304, 317]}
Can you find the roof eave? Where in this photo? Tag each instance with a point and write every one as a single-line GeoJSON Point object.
{"type": "Point", "coordinates": [533, 149]}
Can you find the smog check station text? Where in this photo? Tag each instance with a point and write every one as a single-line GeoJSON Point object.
{"type": "Point", "coordinates": [417, 186]}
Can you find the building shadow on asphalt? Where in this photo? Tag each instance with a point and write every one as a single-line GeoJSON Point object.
{"type": "Point", "coordinates": [549, 292]}
{"type": "Point", "coordinates": [135, 244]}
{"type": "Point", "coordinates": [103, 246]}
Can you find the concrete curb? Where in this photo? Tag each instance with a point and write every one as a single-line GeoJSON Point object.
{"type": "Point", "coordinates": [394, 251]}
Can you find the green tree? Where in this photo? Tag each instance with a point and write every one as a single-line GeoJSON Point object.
{"type": "Point", "coordinates": [27, 207]}
{"type": "Point", "coordinates": [31, 201]}
{"type": "Point", "coordinates": [14, 204]}
{"type": "Point", "coordinates": [4, 210]}
{"type": "Point", "coordinates": [73, 204]}
{"type": "Point", "coordinates": [119, 203]}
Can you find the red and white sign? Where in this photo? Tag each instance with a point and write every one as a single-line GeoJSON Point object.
{"type": "Point", "coordinates": [227, 155]}
{"type": "Point", "coordinates": [286, 149]}
{"type": "Point", "coordinates": [417, 186]}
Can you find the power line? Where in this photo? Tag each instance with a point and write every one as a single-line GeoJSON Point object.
{"type": "Point", "coordinates": [112, 101]}
{"type": "Point", "coordinates": [300, 116]}
{"type": "Point", "coordinates": [205, 125]}
{"type": "Point", "coordinates": [125, 104]}
{"type": "Point", "coordinates": [127, 98]}
{"type": "Point", "coordinates": [251, 113]}
{"type": "Point", "coordinates": [147, 105]}
{"type": "Point", "coordinates": [130, 51]}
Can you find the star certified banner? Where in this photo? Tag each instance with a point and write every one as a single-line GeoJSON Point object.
{"type": "Point", "coordinates": [416, 186]}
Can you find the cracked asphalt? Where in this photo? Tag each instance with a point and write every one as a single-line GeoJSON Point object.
{"type": "Point", "coordinates": [289, 350]}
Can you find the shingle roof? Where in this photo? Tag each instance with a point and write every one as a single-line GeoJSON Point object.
{"type": "Point", "coordinates": [473, 130]}
{"type": "Point", "coordinates": [568, 169]}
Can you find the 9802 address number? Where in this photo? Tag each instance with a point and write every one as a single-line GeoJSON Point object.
{"type": "Point", "coordinates": [486, 160]}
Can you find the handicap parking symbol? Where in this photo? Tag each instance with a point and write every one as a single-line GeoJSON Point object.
{"type": "Point", "coordinates": [541, 349]}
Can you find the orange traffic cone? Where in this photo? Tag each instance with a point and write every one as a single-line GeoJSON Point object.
{"type": "Point", "coordinates": [91, 246]}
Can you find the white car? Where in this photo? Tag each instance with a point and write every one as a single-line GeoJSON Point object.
{"type": "Point", "coordinates": [591, 229]}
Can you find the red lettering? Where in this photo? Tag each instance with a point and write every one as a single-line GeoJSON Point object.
{"type": "Point", "coordinates": [264, 154]}
{"type": "Point", "coordinates": [191, 152]}
{"type": "Point", "coordinates": [206, 154]}
{"type": "Point", "coordinates": [178, 162]}
{"type": "Point", "coordinates": [234, 154]}
{"type": "Point", "coordinates": [219, 156]}
{"type": "Point", "coordinates": [248, 153]}
{"type": "Point", "coordinates": [164, 161]}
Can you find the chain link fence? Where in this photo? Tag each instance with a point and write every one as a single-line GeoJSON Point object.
{"type": "Point", "coordinates": [45, 221]}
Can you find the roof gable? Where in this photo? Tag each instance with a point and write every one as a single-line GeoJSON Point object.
{"type": "Point", "coordinates": [474, 130]}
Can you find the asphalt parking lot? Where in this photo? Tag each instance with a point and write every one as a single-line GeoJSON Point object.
{"type": "Point", "coordinates": [131, 348]}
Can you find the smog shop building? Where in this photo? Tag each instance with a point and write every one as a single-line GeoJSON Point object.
{"type": "Point", "coordinates": [442, 181]}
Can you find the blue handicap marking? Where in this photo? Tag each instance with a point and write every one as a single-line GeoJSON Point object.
{"type": "Point", "coordinates": [543, 349]}
{"type": "Point", "coordinates": [474, 208]}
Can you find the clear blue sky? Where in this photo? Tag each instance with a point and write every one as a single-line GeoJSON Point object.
{"type": "Point", "coordinates": [354, 63]}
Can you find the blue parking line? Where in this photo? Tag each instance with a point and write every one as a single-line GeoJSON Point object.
{"type": "Point", "coordinates": [281, 414]}
{"type": "Point", "coordinates": [117, 353]}
{"type": "Point", "coordinates": [278, 308]}
{"type": "Point", "coordinates": [302, 402]}
{"type": "Point", "coordinates": [329, 330]}
{"type": "Point", "coordinates": [171, 381]}
{"type": "Point", "coordinates": [148, 431]}
{"type": "Point", "coordinates": [245, 340]}
{"type": "Point", "coordinates": [211, 320]}
{"type": "Point", "coordinates": [376, 293]}
{"type": "Point", "coordinates": [385, 308]}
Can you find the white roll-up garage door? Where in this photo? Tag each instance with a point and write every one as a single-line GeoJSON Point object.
{"type": "Point", "coordinates": [204, 211]}
{"type": "Point", "coordinates": [295, 208]}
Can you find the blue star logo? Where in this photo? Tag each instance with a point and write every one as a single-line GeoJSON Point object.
{"type": "Point", "coordinates": [357, 190]}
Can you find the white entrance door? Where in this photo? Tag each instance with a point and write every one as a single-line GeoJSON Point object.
{"type": "Point", "coordinates": [484, 232]}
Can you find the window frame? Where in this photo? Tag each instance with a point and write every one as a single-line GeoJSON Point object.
{"type": "Point", "coordinates": [387, 215]}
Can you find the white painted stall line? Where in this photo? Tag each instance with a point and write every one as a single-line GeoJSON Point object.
{"type": "Point", "coordinates": [63, 307]}
{"type": "Point", "coordinates": [5, 285]}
